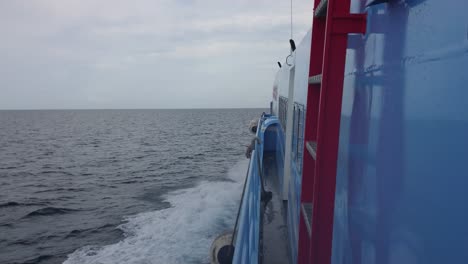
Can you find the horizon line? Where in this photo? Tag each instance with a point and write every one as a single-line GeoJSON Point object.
{"type": "Point", "coordinates": [70, 109]}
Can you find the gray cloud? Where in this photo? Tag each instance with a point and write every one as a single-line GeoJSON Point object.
{"type": "Point", "coordinates": [143, 54]}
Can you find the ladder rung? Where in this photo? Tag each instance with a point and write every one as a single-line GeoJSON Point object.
{"type": "Point", "coordinates": [306, 209]}
{"type": "Point", "coordinates": [312, 148]}
{"type": "Point", "coordinates": [316, 79]}
{"type": "Point", "coordinates": [321, 9]}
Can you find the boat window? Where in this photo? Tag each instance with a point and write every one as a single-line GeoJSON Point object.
{"type": "Point", "coordinates": [298, 135]}
{"type": "Point", "coordinates": [283, 111]}
{"type": "Point", "coordinates": [294, 133]}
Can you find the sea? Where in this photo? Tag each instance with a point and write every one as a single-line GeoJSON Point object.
{"type": "Point", "coordinates": [119, 186]}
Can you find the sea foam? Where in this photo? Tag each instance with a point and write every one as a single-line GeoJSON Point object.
{"type": "Point", "coordinates": [182, 233]}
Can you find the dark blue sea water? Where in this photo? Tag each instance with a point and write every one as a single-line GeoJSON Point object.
{"type": "Point", "coordinates": [119, 186]}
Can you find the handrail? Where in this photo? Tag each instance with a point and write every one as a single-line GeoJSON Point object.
{"type": "Point", "coordinates": [247, 239]}
{"type": "Point", "coordinates": [247, 242]}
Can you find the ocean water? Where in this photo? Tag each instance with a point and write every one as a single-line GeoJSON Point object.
{"type": "Point", "coordinates": [119, 186]}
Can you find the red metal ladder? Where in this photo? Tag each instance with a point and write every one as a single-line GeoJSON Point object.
{"type": "Point", "coordinates": [332, 23]}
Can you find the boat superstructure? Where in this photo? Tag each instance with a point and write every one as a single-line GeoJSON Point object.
{"type": "Point", "coordinates": [365, 148]}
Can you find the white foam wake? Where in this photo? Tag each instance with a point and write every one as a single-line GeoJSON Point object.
{"type": "Point", "coordinates": [180, 234]}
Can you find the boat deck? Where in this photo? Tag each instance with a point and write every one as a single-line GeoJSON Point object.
{"type": "Point", "coordinates": [274, 239]}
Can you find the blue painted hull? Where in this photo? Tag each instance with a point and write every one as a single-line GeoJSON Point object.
{"type": "Point", "coordinates": [400, 195]}
{"type": "Point", "coordinates": [403, 149]}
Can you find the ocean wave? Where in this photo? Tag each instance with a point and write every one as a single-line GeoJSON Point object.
{"type": "Point", "coordinates": [182, 233]}
{"type": "Point", "coordinates": [37, 240]}
{"type": "Point", "coordinates": [85, 231]}
{"type": "Point", "coordinates": [39, 259]}
{"type": "Point", "coordinates": [9, 204]}
{"type": "Point", "coordinates": [57, 172]}
{"type": "Point", "coordinates": [77, 232]}
{"type": "Point", "coordinates": [8, 168]}
{"type": "Point", "coordinates": [185, 157]}
{"type": "Point", "coordinates": [13, 204]}
{"type": "Point", "coordinates": [49, 211]}
{"type": "Point", "coordinates": [62, 190]}
{"type": "Point", "coordinates": [128, 182]}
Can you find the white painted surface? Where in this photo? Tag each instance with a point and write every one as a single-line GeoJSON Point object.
{"type": "Point", "coordinates": [288, 134]}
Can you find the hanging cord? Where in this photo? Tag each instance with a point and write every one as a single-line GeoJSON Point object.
{"type": "Point", "coordinates": [291, 41]}
{"type": "Point", "coordinates": [291, 20]}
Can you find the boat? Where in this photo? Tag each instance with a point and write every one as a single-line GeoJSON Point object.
{"type": "Point", "coordinates": [362, 157]}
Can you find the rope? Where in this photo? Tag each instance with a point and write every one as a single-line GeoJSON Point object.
{"type": "Point", "coordinates": [291, 20]}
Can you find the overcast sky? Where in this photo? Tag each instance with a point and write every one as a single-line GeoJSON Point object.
{"type": "Point", "coordinates": [57, 54]}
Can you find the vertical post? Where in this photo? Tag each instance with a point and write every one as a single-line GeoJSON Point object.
{"type": "Point", "coordinates": [339, 23]}
{"type": "Point", "coordinates": [288, 134]}
{"type": "Point", "coordinates": [310, 134]}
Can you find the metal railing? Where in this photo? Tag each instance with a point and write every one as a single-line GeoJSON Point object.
{"type": "Point", "coordinates": [247, 238]}
{"type": "Point", "coordinates": [248, 232]}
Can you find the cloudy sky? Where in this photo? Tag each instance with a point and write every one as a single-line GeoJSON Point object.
{"type": "Point", "coordinates": [74, 54]}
